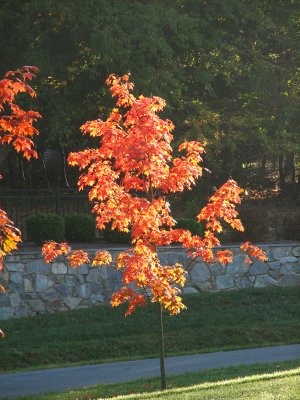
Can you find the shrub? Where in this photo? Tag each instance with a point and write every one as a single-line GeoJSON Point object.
{"type": "Point", "coordinates": [291, 226]}
{"type": "Point", "coordinates": [80, 228]}
{"type": "Point", "coordinates": [190, 224]}
{"type": "Point", "coordinates": [255, 222]}
{"type": "Point", "coordinates": [42, 227]}
{"type": "Point", "coordinates": [116, 236]}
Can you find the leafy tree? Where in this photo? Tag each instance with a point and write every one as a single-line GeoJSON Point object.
{"type": "Point", "coordinates": [230, 68]}
{"type": "Point", "coordinates": [129, 176]}
{"type": "Point", "coordinates": [16, 129]}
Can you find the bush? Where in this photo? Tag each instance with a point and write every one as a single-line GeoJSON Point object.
{"type": "Point", "coordinates": [42, 227]}
{"type": "Point", "coordinates": [192, 225]}
{"type": "Point", "coordinates": [255, 222]}
{"type": "Point", "coordinates": [291, 226]}
{"type": "Point", "coordinates": [80, 228]}
{"type": "Point", "coordinates": [116, 236]}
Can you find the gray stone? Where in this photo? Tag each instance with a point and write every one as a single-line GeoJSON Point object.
{"type": "Point", "coordinates": [59, 268]}
{"type": "Point", "coordinates": [11, 259]}
{"type": "Point", "coordinates": [258, 268]}
{"type": "Point", "coordinates": [190, 290]}
{"type": "Point", "coordinates": [83, 291]}
{"type": "Point", "coordinates": [14, 299]}
{"type": "Point", "coordinates": [74, 280]}
{"type": "Point", "coordinates": [296, 268]}
{"type": "Point", "coordinates": [59, 278]}
{"type": "Point", "coordinates": [280, 252]}
{"type": "Point", "coordinates": [72, 302]}
{"type": "Point", "coordinates": [296, 251]}
{"type": "Point", "coordinates": [43, 282]}
{"type": "Point", "coordinates": [290, 280]}
{"type": "Point", "coordinates": [97, 298]}
{"type": "Point", "coordinates": [168, 258]}
{"type": "Point", "coordinates": [56, 305]}
{"type": "Point", "coordinates": [104, 272]}
{"type": "Point", "coordinates": [242, 283]}
{"type": "Point", "coordinates": [4, 300]}
{"type": "Point", "coordinates": [29, 296]}
{"type": "Point", "coordinates": [85, 303]}
{"type": "Point", "coordinates": [199, 272]}
{"type": "Point", "coordinates": [114, 285]}
{"type": "Point", "coordinates": [113, 274]}
{"type": "Point", "coordinates": [204, 286]}
{"type": "Point", "coordinates": [107, 293]}
{"type": "Point", "coordinates": [265, 280]}
{"type": "Point", "coordinates": [37, 267]}
{"type": "Point", "coordinates": [287, 260]}
{"type": "Point", "coordinates": [217, 269]}
{"type": "Point", "coordinates": [12, 267]}
{"type": "Point", "coordinates": [16, 287]}
{"type": "Point", "coordinates": [286, 269]}
{"type": "Point", "coordinates": [4, 276]}
{"type": "Point", "coordinates": [95, 287]}
{"type": "Point", "coordinates": [83, 269]}
{"type": "Point", "coordinates": [48, 295]}
{"type": "Point", "coordinates": [36, 305]}
{"type": "Point", "coordinates": [22, 310]}
{"type": "Point", "coordinates": [268, 252]}
{"type": "Point", "coordinates": [62, 290]}
{"type": "Point", "coordinates": [6, 312]}
{"type": "Point", "coordinates": [16, 277]}
{"type": "Point", "coordinates": [274, 273]}
{"type": "Point", "coordinates": [70, 280]}
{"type": "Point", "coordinates": [182, 258]}
{"type": "Point", "coordinates": [274, 264]}
{"type": "Point", "coordinates": [224, 282]}
{"type": "Point", "coordinates": [27, 285]}
{"type": "Point", "coordinates": [94, 275]}
{"type": "Point", "coordinates": [80, 278]}
{"type": "Point", "coordinates": [238, 267]}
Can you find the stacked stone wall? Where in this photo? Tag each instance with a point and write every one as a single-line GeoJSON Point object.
{"type": "Point", "coordinates": [34, 287]}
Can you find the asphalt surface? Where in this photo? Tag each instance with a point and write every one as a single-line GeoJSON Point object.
{"type": "Point", "coordinates": [59, 379]}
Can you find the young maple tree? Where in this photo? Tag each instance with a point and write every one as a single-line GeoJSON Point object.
{"type": "Point", "coordinates": [129, 176]}
{"type": "Point", "coordinates": [16, 129]}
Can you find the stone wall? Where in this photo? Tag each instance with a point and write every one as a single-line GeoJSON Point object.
{"type": "Point", "coordinates": [34, 287]}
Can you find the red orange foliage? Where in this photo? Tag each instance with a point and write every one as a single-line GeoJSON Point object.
{"type": "Point", "coordinates": [16, 125]}
{"type": "Point", "coordinates": [129, 176]}
{"type": "Point", "coordinates": [16, 129]}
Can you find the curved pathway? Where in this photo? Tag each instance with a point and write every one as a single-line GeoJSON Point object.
{"type": "Point", "coordinates": [58, 379]}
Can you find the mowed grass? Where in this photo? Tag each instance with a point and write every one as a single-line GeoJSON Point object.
{"type": "Point", "coordinates": [212, 322]}
{"type": "Point", "coordinates": [255, 382]}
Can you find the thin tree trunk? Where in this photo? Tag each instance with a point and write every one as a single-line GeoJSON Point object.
{"type": "Point", "coordinates": [262, 171]}
{"type": "Point", "coordinates": [163, 383]}
{"type": "Point", "coordinates": [290, 167]}
{"type": "Point", "coordinates": [281, 172]}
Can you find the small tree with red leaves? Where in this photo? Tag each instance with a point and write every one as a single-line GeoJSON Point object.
{"type": "Point", "coordinates": [129, 176]}
{"type": "Point", "coordinates": [16, 129]}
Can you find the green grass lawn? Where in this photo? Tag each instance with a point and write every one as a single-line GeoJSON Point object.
{"type": "Point", "coordinates": [213, 322]}
{"type": "Point", "coordinates": [280, 381]}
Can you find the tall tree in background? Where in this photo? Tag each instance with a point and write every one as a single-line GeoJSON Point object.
{"type": "Point", "coordinates": [229, 67]}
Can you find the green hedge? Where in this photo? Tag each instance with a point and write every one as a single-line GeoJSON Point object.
{"type": "Point", "coordinates": [190, 224]}
{"type": "Point", "coordinates": [80, 228]}
{"type": "Point", "coordinates": [42, 227]}
{"type": "Point", "coordinates": [116, 236]}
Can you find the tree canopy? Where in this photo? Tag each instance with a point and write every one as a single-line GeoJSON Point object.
{"type": "Point", "coordinates": [229, 71]}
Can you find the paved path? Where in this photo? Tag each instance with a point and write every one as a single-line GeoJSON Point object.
{"type": "Point", "coordinates": [54, 380]}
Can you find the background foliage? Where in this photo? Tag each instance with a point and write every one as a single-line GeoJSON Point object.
{"type": "Point", "coordinates": [229, 72]}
